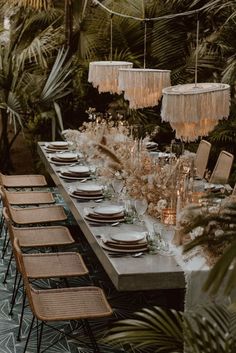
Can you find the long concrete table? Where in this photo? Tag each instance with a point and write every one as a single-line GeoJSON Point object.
{"type": "Point", "coordinates": [149, 272]}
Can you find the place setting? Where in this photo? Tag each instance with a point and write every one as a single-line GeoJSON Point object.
{"type": "Point", "coordinates": [57, 146]}
{"type": "Point", "coordinates": [112, 214]}
{"type": "Point", "coordinates": [124, 242]}
{"type": "Point", "coordinates": [87, 191]}
{"type": "Point", "coordinates": [75, 172]}
{"type": "Point", "coordinates": [63, 158]}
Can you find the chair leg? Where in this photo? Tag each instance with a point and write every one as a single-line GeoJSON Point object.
{"type": "Point", "coordinates": [39, 337]}
{"type": "Point", "coordinates": [8, 268]}
{"type": "Point", "coordinates": [1, 225]}
{"type": "Point", "coordinates": [91, 336]}
{"type": "Point", "coordinates": [29, 334]}
{"type": "Point", "coordinates": [21, 317]}
{"type": "Point", "coordinates": [15, 291]}
{"type": "Point", "coordinates": [5, 245]}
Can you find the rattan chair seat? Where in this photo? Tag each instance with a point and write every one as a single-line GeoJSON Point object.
{"type": "Point", "coordinates": [61, 264]}
{"type": "Point", "coordinates": [24, 180]}
{"type": "Point", "coordinates": [43, 236]}
{"type": "Point", "coordinates": [70, 303]}
{"type": "Point", "coordinates": [29, 197]}
{"type": "Point", "coordinates": [35, 215]}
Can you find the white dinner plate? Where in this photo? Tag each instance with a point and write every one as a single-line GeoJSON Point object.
{"type": "Point", "coordinates": [108, 210]}
{"type": "Point", "coordinates": [128, 236]}
{"type": "Point", "coordinates": [66, 155]}
{"type": "Point", "coordinates": [89, 187]}
{"type": "Point", "coordinates": [79, 169]}
{"type": "Point", "coordinates": [59, 143]}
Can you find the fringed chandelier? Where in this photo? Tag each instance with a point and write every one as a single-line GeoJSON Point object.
{"type": "Point", "coordinates": [104, 74]}
{"type": "Point", "coordinates": [143, 87]}
{"type": "Point", "coordinates": [194, 110]}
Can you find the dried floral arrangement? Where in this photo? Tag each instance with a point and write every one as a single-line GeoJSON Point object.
{"type": "Point", "coordinates": [125, 157]}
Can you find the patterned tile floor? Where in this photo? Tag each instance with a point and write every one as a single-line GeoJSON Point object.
{"type": "Point", "coordinates": [123, 304]}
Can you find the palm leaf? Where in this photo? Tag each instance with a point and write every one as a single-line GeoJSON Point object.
{"type": "Point", "coordinates": [58, 80]}
{"type": "Point", "coordinates": [36, 4]}
{"type": "Point", "coordinates": [156, 328]}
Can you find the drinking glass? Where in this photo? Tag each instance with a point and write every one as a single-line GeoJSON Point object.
{"type": "Point", "coordinates": [160, 239]}
{"type": "Point", "coordinates": [140, 207]}
{"type": "Point", "coordinates": [117, 185]}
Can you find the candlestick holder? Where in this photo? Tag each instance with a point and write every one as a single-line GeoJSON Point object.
{"type": "Point", "coordinates": [168, 216]}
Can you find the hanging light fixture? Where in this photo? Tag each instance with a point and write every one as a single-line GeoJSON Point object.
{"type": "Point", "coordinates": [143, 87]}
{"type": "Point", "coordinates": [194, 110]}
{"type": "Point", "coordinates": [104, 74]}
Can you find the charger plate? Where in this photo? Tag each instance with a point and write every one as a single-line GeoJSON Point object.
{"type": "Point", "coordinates": [127, 250]}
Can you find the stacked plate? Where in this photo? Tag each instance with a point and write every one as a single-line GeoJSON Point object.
{"type": "Point", "coordinates": [106, 214]}
{"type": "Point", "coordinates": [64, 158]}
{"type": "Point", "coordinates": [76, 172]}
{"type": "Point", "coordinates": [151, 146]}
{"type": "Point", "coordinates": [126, 241]}
{"type": "Point", "coordinates": [87, 191]}
{"type": "Point", "coordinates": [57, 146]}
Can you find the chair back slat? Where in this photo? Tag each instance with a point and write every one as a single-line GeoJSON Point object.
{"type": "Point", "coordinates": [201, 159]}
{"type": "Point", "coordinates": [222, 168]}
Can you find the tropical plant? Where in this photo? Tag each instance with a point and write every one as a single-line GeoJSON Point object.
{"type": "Point", "coordinates": [30, 83]}
{"type": "Point", "coordinates": [211, 329]}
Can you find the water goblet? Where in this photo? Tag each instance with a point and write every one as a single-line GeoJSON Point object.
{"type": "Point", "coordinates": [140, 207]}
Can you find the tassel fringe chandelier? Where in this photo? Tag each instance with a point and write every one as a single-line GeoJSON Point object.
{"type": "Point", "coordinates": [194, 110]}
{"type": "Point", "coordinates": [104, 75]}
{"type": "Point", "coordinates": [143, 87]}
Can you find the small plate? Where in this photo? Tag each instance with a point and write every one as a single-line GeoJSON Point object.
{"type": "Point", "coordinates": [89, 188]}
{"type": "Point", "coordinates": [78, 169]}
{"type": "Point", "coordinates": [128, 237]}
{"type": "Point", "coordinates": [59, 143]}
{"type": "Point", "coordinates": [66, 156]}
{"type": "Point", "coordinates": [108, 210]}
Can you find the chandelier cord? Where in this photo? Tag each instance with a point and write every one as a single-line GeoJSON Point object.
{"type": "Point", "coordinates": [111, 35]}
{"type": "Point", "coordinates": [145, 45]}
{"type": "Point", "coordinates": [197, 50]}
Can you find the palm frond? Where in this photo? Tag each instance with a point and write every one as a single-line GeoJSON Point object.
{"type": "Point", "coordinates": [36, 4]}
{"type": "Point", "coordinates": [58, 80]}
{"type": "Point", "coordinates": [157, 328]}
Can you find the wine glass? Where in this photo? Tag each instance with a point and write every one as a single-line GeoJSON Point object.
{"type": "Point", "coordinates": [162, 234]}
{"type": "Point", "coordinates": [117, 185]}
{"type": "Point", "coordinates": [140, 207]}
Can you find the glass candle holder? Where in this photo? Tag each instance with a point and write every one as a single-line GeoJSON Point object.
{"type": "Point", "coordinates": [168, 216]}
